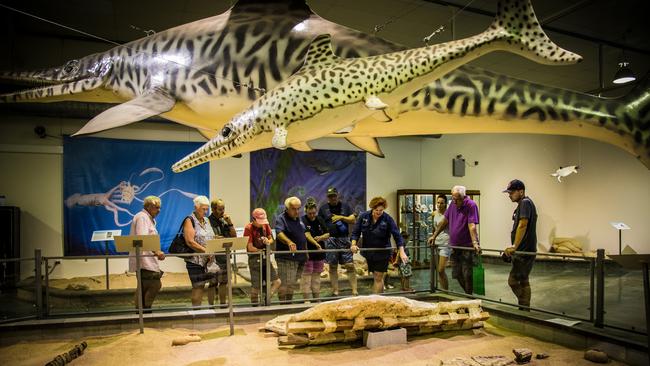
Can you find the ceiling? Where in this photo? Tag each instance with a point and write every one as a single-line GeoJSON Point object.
{"type": "Point", "coordinates": [580, 26]}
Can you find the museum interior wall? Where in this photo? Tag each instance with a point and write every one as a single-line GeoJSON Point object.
{"type": "Point", "coordinates": [610, 186]}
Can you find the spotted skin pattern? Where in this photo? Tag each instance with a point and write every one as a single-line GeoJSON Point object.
{"type": "Point", "coordinates": [473, 92]}
{"type": "Point", "coordinates": [307, 102]}
{"type": "Point", "coordinates": [262, 45]}
{"type": "Point", "coordinates": [237, 54]}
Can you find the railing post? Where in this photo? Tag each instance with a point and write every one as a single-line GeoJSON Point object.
{"type": "Point", "coordinates": [267, 259]}
{"type": "Point", "coordinates": [46, 301]}
{"type": "Point", "coordinates": [137, 244]}
{"type": "Point", "coordinates": [592, 287]}
{"type": "Point", "coordinates": [600, 288]}
{"type": "Point", "coordinates": [433, 282]}
{"type": "Point", "coordinates": [229, 272]}
{"type": "Point", "coordinates": [108, 285]}
{"type": "Point", "coordinates": [38, 283]}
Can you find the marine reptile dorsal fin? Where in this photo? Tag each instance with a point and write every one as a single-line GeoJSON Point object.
{"type": "Point", "coordinates": [320, 51]}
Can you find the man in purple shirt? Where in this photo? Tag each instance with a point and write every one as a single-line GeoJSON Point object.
{"type": "Point", "coordinates": [462, 218]}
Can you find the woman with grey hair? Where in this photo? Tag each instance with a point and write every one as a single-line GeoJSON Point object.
{"type": "Point", "coordinates": [197, 231]}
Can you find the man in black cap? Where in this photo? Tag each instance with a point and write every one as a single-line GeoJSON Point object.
{"type": "Point", "coordinates": [523, 239]}
{"type": "Point", "coordinates": [338, 216]}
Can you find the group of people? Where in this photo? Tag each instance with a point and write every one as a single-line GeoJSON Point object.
{"type": "Point", "coordinates": [299, 243]}
{"type": "Point", "coordinates": [300, 240]}
{"type": "Point", "coordinates": [456, 239]}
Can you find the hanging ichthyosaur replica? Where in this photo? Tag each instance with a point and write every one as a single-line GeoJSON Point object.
{"type": "Point", "coordinates": [203, 73]}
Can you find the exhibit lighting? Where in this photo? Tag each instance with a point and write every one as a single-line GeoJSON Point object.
{"type": "Point", "coordinates": [300, 26]}
{"type": "Point", "coordinates": [624, 74]}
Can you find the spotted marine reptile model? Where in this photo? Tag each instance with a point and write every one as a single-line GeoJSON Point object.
{"type": "Point", "coordinates": [330, 93]}
{"type": "Point", "coordinates": [203, 73]}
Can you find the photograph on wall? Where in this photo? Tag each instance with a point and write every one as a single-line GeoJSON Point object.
{"type": "Point", "coordinates": [279, 174]}
{"type": "Point", "coordinates": [105, 182]}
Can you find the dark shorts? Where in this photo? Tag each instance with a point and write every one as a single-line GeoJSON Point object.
{"type": "Point", "coordinates": [147, 275]}
{"type": "Point", "coordinates": [521, 266]}
{"type": "Point", "coordinates": [289, 272]}
{"type": "Point", "coordinates": [255, 267]}
{"type": "Point", "coordinates": [463, 263]}
{"type": "Point", "coordinates": [221, 277]}
{"type": "Point", "coordinates": [199, 276]}
{"type": "Point", "coordinates": [333, 258]}
{"type": "Point", "coordinates": [377, 264]}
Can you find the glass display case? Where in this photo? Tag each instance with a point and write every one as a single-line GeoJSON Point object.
{"type": "Point", "coordinates": [415, 216]}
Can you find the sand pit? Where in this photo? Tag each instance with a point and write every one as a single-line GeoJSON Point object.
{"type": "Point", "coordinates": [250, 347]}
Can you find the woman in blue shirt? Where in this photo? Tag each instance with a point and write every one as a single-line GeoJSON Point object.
{"type": "Point", "coordinates": [376, 227]}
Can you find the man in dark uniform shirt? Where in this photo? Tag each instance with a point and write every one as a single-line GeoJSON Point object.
{"type": "Point", "coordinates": [316, 236]}
{"type": "Point", "coordinates": [338, 216]}
{"type": "Point", "coordinates": [523, 238]}
{"type": "Point", "coordinates": [222, 227]}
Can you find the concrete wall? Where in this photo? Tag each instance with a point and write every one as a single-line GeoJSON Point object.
{"type": "Point", "coordinates": [611, 186]}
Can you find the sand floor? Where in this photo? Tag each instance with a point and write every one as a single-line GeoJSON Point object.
{"type": "Point", "coordinates": [249, 347]}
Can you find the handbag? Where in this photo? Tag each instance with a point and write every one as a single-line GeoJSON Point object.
{"type": "Point", "coordinates": [478, 277]}
{"type": "Point", "coordinates": [178, 245]}
{"type": "Point", "coordinates": [405, 269]}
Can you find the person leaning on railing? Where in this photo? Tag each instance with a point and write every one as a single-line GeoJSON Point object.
{"type": "Point", "coordinates": [462, 218]}
{"type": "Point", "coordinates": [197, 231]}
{"type": "Point", "coordinates": [290, 231]}
{"type": "Point", "coordinates": [338, 216]}
{"type": "Point", "coordinates": [144, 223]}
{"type": "Point", "coordinates": [376, 227]}
{"type": "Point", "coordinates": [260, 237]}
{"type": "Point", "coordinates": [222, 227]}
{"type": "Point", "coordinates": [316, 237]}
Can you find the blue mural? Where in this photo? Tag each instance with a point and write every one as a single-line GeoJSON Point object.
{"type": "Point", "coordinates": [106, 180]}
{"type": "Point", "coordinates": [278, 174]}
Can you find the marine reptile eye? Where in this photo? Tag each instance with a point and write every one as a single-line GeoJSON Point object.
{"type": "Point", "coordinates": [71, 66]}
{"type": "Point", "coordinates": [225, 131]}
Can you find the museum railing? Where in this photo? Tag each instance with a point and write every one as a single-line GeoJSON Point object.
{"type": "Point", "coordinates": [91, 295]}
{"type": "Point", "coordinates": [561, 284]}
{"type": "Point", "coordinates": [583, 288]}
{"type": "Point", "coordinates": [16, 300]}
{"type": "Point", "coordinates": [623, 298]}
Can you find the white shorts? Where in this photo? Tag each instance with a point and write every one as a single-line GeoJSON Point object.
{"type": "Point", "coordinates": [444, 251]}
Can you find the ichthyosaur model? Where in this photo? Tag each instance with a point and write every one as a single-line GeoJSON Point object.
{"type": "Point", "coordinates": [329, 92]}
{"type": "Point", "coordinates": [201, 74]}
{"type": "Point", "coordinates": [470, 99]}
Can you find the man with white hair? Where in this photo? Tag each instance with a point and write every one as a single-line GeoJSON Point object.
{"type": "Point", "coordinates": [462, 218]}
{"type": "Point", "coordinates": [291, 237]}
{"type": "Point", "coordinates": [144, 223]}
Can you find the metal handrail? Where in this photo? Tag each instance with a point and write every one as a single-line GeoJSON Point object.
{"type": "Point", "coordinates": [596, 279]}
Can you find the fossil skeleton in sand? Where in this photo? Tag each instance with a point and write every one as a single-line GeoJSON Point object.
{"type": "Point", "coordinates": [345, 320]}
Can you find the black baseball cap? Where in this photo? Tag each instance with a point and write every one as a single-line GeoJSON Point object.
{"type": "Point", "coordinates": [514, 185]}
{"type": "Point", "coordinates": [332, 191]}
